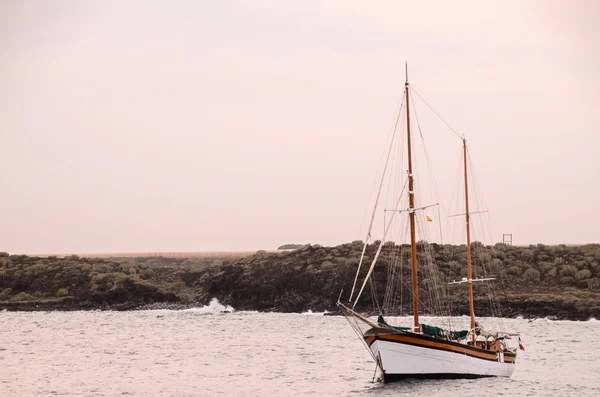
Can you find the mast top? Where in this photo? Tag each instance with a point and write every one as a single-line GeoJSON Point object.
{"type": "Point", "coordinates": [406, 71]}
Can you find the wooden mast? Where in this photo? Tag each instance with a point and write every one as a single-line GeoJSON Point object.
{"type": "Point", "coordinates": [411, 202]}
{"type": "Point", "coordinates": [469, 264]}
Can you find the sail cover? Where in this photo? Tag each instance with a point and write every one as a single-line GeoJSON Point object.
{"type": "Point", "coordinates": [381, 321]}
{"type": "Point", "coordinates": [443, 333]}
{"type": "Point", "coordinates": [429, 330]}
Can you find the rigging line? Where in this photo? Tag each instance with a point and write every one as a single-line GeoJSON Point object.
{"type": "Point", "coordinates": [374, 296]}
{"type": "Point", "coordinates": [455, 195]}
{"type": "Point", "coordinates": [437, 114]}
{"type": "Point", "coordinates": [400, 283]}
{"type": "Point", "coordinates": [395, 177]}
{"type": "Point", "coordinates": [377, 198]}
{"type": "Point", "coordinates": [390, 294]}
{"type": "Point", "coordinates": [479, 194]}
{"type": "Point", "coordinates": [432, 179]}
{"type": "Point", "coordinates": [440, 224]}
{"type": "Point", "coordinates": [428, 164]}
{"type": "Point", "coordinates": [377, 253]}
{"type": "Point", "coordinates": [400, 157]}
{"type": "Point", "coordinates": [356, 328]}
{"type": "Point", "coordinates": [391, 137]}
{"type": "Point", "coordinates": [423, 304]}
{"type": "Point", "coordinates": [430, 270]}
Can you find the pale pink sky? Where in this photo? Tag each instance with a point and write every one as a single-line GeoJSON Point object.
{"type": "Point", "coordinates": [234, 125]}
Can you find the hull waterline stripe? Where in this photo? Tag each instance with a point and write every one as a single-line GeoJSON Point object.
{"type": "Point", "coordinates": [442, 345]}
{"type": "Point", "coordinates": [396, 377]}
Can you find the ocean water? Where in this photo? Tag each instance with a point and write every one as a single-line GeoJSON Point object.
{"type": "Point", "coordinates": [214, 351]}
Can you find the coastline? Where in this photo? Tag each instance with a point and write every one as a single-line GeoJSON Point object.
{"type": "Point", "coordinates": [563, 313]}
{"type": "Point", "coordinates": [533, 282]}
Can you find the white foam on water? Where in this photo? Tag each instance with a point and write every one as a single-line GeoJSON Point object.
{"type": "Point", "coordinates": [214, 307]}
{"type": "Point", "coordinates": [311, 313]}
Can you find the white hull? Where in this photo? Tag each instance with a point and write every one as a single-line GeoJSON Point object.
{"type": "Point", "coordinates": [404, 360]}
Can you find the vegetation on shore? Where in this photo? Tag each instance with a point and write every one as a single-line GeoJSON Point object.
{"type": "Point", "coordinates": [291, 246]}
{"type": "Point", "coordinates": [535, 281]}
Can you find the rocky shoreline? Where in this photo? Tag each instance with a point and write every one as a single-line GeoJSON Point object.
{"type": "Point", "coordinates": [555, 282]}
{"type": "Point", "coordinates": [525, 310]}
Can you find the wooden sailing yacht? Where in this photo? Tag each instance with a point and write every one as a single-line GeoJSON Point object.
{"type": "Point", "coordinates": [423, 351]}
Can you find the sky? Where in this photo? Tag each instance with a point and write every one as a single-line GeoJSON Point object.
{"type": "Point", "coordinates": [154, 126]}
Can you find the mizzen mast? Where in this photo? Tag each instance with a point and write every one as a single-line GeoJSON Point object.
{"type": "Point", "coordinates": [468, 218]}
{"type": "Point", "coordinates": [411, 204]}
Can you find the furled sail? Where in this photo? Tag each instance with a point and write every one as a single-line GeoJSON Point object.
{"type": "Point", "coordinates": [429, 330]}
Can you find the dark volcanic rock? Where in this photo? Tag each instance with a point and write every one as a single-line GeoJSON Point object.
{"type": "Point", "coordinates": [535, 281]}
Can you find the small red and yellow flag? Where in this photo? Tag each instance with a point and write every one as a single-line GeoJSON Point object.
{"type": "Point", "coordinates": [429, 219]}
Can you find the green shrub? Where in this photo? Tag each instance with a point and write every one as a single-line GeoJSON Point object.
{"type": "Point", "coordinates": [102, 268]}
{"type": "Point", "coordinates": [528, 255]}
{"type": "Point", "coordinates": [583, 274]}
{"type": "Point", "coordinates": [149, 273]}
{"type": "Point", "coordinates": [5, 294]}
{"type": "Point", "coordinates": [455, 266]}
{"type": "Point", "coordinates": [580, 264]}
{"type": "Point", "coordinates": [499, 254]}
{"type": "Point", "coordinates": [22, 296]}
{"type": "Point", "coordinates": [531, 274]}
{"type": "Point", "coordinates": [175, 287]}
{"type": "Point", "coordinates": [559, 249]}
{"type": "Point", "coordinates": [62, 292]}
{"type": "Point", "coordinates": [593, 283]}
{"type": "Point", "coordinates": [559, 261]}
{"type": "Point", "coordinates": [327, 265]}
{"type": "Point", "coordinates": [484, 257]}
{"type": "Point", "coordinates": [119, 276]}
{"type": "Point", "coordinates": [544, 257]}
{"type": "Point", "coordinates": [99, 278]}
{"type": "Point", "coordinates": [85, 267]}
{"type": "Point", "coordinates": [568, 270]}
{"type": "Point", "coordinates": [567, 280]}
{"type": "Point", "coordinates": [37, 269]}
{"type": "Point", "coordinates": [514, 270]}
{"type": "Point", "coordinates": [186, 298]}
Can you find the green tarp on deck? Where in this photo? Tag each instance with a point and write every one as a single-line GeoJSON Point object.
{"type": "Point", "coordinates": [381, 321]}
{"type": "Point", "coordinates": [443, 333]}
{"type": "Point", "coordinates": [429, 330]}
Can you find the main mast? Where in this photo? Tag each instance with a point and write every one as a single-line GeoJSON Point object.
{"type": "Point", "coordinates": [411, 204]}
{"type": "Point", "coordinates": [469, 265]}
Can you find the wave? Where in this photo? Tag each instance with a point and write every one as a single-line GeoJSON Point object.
{"type": "Point", "coordinates": [311, 313]}
{"type": "Point", "coordinates": [213, 307]}
{"type": "Point", "coordinates": [553, 319]}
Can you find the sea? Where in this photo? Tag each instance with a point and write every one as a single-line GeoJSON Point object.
{"type": "Point", "coordinates": [218, 351]}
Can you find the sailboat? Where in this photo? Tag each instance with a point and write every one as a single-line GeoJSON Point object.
{"type": "Point", "coordinates": [420, 350]}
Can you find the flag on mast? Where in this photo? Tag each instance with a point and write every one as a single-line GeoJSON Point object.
{"type": "Point", "coordinates": [520, 344]}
